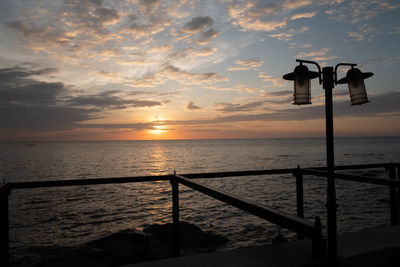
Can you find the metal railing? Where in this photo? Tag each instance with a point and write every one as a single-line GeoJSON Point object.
{"type": "Point", "coordinates": [297, 224]}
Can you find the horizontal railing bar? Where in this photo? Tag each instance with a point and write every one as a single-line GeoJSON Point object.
{"type": "Point", "coordinates": [282, 171]}
{"type": "Point", "coordinates": [90, 181]}
{"type": "Point", "coordinates": [237, 173]}
{"type": "Point", "coordinates": [117, 180]}
{"type": "Point", "coordinates": [360, 166]}
{"type": "Point", "coordinates": [354, 178]}
{"type": "Point", "coordinates": [296, 224]}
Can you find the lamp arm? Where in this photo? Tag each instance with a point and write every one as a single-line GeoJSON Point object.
{"type": "Point", "coordinates": [352, 65]}
{"type": "Point", "coordinates": [316, 64]}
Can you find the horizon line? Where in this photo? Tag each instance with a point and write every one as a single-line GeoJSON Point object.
{"type": "Point", "coordinates": [192, 139]}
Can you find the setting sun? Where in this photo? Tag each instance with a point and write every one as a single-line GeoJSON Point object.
{"type": "Point", "coordinates": [158, 129]}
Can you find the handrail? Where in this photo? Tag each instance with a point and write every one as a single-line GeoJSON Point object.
{"type": "Point", "coordinates": [294, 223]}
{"type": "Point", "coordinates": [116, 180]}
{"type": "Point", "coordinates": [237, 173]}
{"type": "Point", "coordinates": [90, 181]}
{"type": "Point", "coordinates": [355, 178]}
{"type": "Point", "coordinates": [360, 166]}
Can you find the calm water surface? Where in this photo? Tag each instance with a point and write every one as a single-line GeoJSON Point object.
{"type": "Point", "coordinates": [74, 215]}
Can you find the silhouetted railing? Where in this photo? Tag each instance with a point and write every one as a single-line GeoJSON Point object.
{"type": "Point", "coordinates": [297, 223]}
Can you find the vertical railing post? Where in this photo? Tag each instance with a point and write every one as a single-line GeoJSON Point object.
{"type": "Point", "coordinates": [299, 196]}
{"type": "Point", "coordinates": [4, 234]}
{"type": "Point", "coordinates": [175, 216]}
{"type": "Point", "coordinates": [394, 207]}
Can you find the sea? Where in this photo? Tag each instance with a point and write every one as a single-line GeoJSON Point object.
{"type": "Point", "coordinates": [71, 216]}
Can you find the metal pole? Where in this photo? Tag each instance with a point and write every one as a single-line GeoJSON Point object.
{"type": "Point", "coordinates": [328, 85]}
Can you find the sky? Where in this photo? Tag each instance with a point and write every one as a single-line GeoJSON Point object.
{"type": "Point", "coordinates": [187, 69]}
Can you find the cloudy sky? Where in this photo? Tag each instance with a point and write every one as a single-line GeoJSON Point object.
{"type": "Point", "coordinates": [152, 69]}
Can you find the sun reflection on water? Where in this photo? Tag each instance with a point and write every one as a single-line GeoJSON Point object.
{"type": "Point", "coordinates": [158, 160]}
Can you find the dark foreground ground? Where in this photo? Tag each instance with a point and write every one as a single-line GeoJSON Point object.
{"type": "Point", "coordinates": [125, 247]}
{"type": "Point", "coordinates": [378, 247]}
{"type": "Point", "coordinates": [152, 248]}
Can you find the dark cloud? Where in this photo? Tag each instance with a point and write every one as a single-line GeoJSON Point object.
{"type": "Point", "coordinates": [262, 9]}
{"type": "Point", "coordinates": [43, 118]}
{"type": "Point", "coordinates": [15, 76]}
{"type": "Point", "coordinates": [106, 15]}
{"type": "Point", "coordinates": [207, 36]}
{"type": "Point", "coordinates": [148, 6]}
{"type": "Point", "coordinates": [192, 52]}
{"type": "Point", "coordinates": [26, 103]}
{"type": "Point", "coordinates": [132, 126]}
{"type": "Point", "coordinates": [279, 97]}
{"type": "Point", "coordinates": [192, 106]}
{"type": "Point", "coordinates": [26, 30]}
{"type": "Point", "coordinates": [281, 93]}
{"type": "Point", "coordinates": [384, 105]}
{"type": "Point", "coordinates": [197, 25]}
{"type": "Point", "coordinates": [28, 94]}
{"type": "Point", "coordinates": [16, 87]}
{"type": "Point", "coordinates": [89, 19]}
{"type": "Point", "coordinates": [173, 73]}
{"type": "Point", "coordinates": [85, 3]}
{"type": "Point", "coordinates": [40, 36]}
{"type": "Point", "coordinates": [145, 28]}
{"type": "Point", "coordinates": [29, 104]}
{"type": "Point", "coordinates": [231, 107]}
{"type": "Point", "coordinates": [111, 100]}
{"type": "Point", "coordinates": [281, 101]}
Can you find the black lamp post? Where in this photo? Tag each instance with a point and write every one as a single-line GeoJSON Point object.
{"type": "Point", "coordinates": [328, 78]}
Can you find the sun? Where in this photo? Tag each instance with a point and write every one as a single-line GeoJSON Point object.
{"type": "Point", "coordinates": [158, 129]}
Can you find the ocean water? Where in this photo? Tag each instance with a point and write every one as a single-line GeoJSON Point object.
{"type": "Point", "coordinates": [69, 216]}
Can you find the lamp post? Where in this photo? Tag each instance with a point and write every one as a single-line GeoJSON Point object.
{"type": "Point", "coordinates": [302, 96]}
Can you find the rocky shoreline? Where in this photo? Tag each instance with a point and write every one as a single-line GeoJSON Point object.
{"type": "Point", "coordinates": [125, 247]}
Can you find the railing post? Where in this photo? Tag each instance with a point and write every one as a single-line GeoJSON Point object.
{"type": "Point", "coordinates": [318, 243]}
{"type": "Point", "coordinates": [299, 196]}
{"type": "Point", "coordinates": [4, 234]}
{"type": "Point", "coordinates": [394, 207]}
{"type": "Point", "coordinates": [175, 216]}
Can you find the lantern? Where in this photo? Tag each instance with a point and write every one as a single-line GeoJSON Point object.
{"type": "Point", "coordinates": [302, 88]}
{"type": "Point", "coordinates": [355, 79]}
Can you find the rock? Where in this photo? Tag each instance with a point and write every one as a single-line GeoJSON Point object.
{"type": "Point", "coordinates": [192, 239]}
{"type": "Point", "coordinates": [124, 247]}
{"type": "Point", "coordinates": [127, 246]}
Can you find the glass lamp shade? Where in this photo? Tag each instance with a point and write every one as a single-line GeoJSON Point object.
{"type": "Point", "coordinates": [358, 95]}
{"type": "Point", "coordinates": [301, 77]}
{"type": "Point", "coordinates": [302, 94]}
{"type": "Point", "coordinates": [355, 79]}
